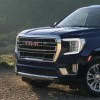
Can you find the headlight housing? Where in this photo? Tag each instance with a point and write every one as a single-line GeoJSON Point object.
{"type": "Point", "coordinates": [75, 45]}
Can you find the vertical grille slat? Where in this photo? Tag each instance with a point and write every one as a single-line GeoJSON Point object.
{"type": "Point", "coordinates": [37, 48]}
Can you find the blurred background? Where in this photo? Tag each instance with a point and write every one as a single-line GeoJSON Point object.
{"type": "Point", "coordinates": [17, 15]}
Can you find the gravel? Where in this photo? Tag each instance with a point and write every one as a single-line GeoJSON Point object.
{"type": "Point", "coordinates": [12, 88]}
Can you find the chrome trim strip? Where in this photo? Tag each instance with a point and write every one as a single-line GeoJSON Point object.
{"type": "Point", "coordinates": [34, 59]}
{"type": "Point", "coordinates": [34, 49]}
{"type": "Point", "coordinates": [39, 45]}
{"type": "Point", "coordinates": [37, 52]}
{"type": "Point", "coordinates": [34, 76]}
{"type": "Point", "coordinates": [58, 49]}
{"type": "Point", "coordinates": [40, 42]}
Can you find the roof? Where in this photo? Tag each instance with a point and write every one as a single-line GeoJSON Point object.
{"type": "Point", "coordinates": [93, 6]}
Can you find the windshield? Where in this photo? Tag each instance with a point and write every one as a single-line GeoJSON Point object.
{"type": "Point", "coordinates": [83, 17]}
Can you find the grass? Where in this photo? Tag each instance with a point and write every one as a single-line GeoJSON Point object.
{"type": "Point", "coordinates": [7, 46]}
{"type": "Point", "coordinates": [7, 61]}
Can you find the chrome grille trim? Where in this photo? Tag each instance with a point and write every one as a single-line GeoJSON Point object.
{"type": "Point", "coordinates": [34, 49]}
{"type": "Point", "coordinates": [55, 51]}
{"type": "Point", "coordinates": [37, 52]}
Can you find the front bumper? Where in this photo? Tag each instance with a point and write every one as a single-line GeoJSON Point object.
{"type": "Point", "coordinates": [38, 77]}
{"type": "Point", "coordinates": [50, 70]}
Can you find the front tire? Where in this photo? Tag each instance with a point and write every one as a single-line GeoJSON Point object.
{"type": "Point", "coordinates": [91, 84]}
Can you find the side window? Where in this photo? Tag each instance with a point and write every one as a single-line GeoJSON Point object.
{"type": "Point", "coordinates": [79, 19]}
{"type": "Point", "coordinates": [93, 18]}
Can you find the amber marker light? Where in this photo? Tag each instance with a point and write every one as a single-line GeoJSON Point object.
{"type": "Point", "coordinates": [89, 58]}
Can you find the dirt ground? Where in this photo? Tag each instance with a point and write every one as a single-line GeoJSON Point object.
{"type": "Point", "coordinates": [12, 88]}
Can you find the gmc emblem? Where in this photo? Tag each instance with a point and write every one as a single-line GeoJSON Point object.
{"type": "Point", "coordinates": [30, 43]}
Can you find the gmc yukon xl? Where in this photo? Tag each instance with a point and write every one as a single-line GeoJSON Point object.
{"type": "Point", "coordinates": [66, 53]}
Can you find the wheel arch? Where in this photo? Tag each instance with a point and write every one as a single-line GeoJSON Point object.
{"type": "Point", "coordinates": [94, 55]}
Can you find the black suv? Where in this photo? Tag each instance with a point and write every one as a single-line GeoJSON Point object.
{"type": "Point", "coordinates": [66, 53]}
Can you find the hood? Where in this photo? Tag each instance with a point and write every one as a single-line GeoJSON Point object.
{"type": "Point", "coordinates": [54, 31]}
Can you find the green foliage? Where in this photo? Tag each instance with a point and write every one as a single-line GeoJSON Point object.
{"type": "Point", "coordinates": [7, 61]}
{"type": "Point", "coordinates": [22, 14]}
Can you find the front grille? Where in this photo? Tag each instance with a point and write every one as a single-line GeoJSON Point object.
{"type": "Point", "coordinates": [37, 48]}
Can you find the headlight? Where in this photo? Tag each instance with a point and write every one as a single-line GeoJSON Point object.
{"type": "Point", "coordinates": [75, 45]}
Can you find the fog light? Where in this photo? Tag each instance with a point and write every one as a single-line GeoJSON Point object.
{"type": "Point", "coordinates": [63, 71]}
{"type": "Point", "coordinates": [75, 68]}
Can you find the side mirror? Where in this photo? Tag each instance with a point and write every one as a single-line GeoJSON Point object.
{"type": "Point", "coordinates": [55, 23]}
